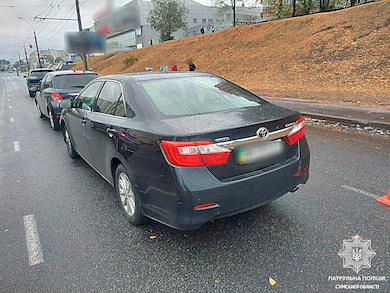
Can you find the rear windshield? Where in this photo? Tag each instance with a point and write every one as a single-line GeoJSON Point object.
{"type": "Point", "coordinates": [72, 80]}
{"type": "Point", "coordinates": [38, 74]}
{"type": "Point", "coordinates": [197, 95]}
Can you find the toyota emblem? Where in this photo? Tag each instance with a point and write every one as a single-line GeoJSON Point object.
{"type": "Point", "coordinates": [262, 133]}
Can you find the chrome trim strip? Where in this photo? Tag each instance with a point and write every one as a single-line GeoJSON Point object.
{"type": "Point", "coordinates": [272, 136]}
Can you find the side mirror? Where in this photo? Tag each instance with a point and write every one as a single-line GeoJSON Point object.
{"type": "Point", "coordinates": [66, 104]}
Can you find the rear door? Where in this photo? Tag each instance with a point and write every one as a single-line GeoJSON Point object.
{"type": "Point", "coordinates": [78, 117]}
{"type": "Point", "coordinates": [104, 125]}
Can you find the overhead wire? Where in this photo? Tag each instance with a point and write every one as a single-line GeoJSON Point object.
{"type": "Point", "coordinates": [58, 28]}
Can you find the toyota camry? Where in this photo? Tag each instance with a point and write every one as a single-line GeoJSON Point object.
{"type": "Point", "coordinates": [187, 147]}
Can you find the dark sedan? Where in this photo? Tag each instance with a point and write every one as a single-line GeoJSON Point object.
{"type": "Point", "coordinates": [57, 86]}
{"type": "Point", "coordinates": [34, 78]}
{"type": "Point", "coordinates": [185, 148]}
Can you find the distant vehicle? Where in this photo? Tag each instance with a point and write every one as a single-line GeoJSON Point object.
{"type": "Point", "coordinates": [185, 148]}
{"type": "Point", "coordinates": [57, 86]}
{"type": "Point", "coordinates": [65, 65]}
{"type": "Point", "coordinates": [34, 78]}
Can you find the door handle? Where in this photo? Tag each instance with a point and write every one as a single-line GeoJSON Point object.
{"type": "Point", "coordinates": [110, 132]}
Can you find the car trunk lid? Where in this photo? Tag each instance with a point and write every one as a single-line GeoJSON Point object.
{"type": "Point", "coordinates": [238, 131]}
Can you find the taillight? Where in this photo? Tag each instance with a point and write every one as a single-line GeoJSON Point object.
{"type": "Point", "coordinates": [191, 154]}
{"type": "Point", "coordinates": [297, 132]}
{"type": "Point", "coordinates": [55, 96]}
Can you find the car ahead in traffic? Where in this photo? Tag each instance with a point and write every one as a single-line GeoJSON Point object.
{"type": "Point", "coordinates": [34, 78]}
{"type": "Point", "coordinates": [57, 86]}
{"type": "Point", "coordinates": [185, 148]}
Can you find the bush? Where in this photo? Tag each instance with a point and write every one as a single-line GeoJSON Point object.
{"type": "Point", "coordinates": [130, 61]}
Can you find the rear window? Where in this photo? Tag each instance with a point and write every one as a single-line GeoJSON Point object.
{"type": "Point", "coordinates": [38, 74]}
{"type": "Point", "coordinates": [72, 80]}
{"type": "Point", "coordinates": [197, 95]}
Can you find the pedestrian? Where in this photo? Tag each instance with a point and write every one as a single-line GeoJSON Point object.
{"type": "Point", "coordinates": [164, 68]}
{"type": "Point", "coordinates": [202, 30]}
{"type": "Point", "coordinates": [212, 29]}
{"type": "Point", "coordinates": [191, 66]}
{"type": "Point", "coordinates": [174, 67]}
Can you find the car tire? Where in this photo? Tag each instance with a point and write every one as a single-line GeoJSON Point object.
{"type": "Point", "coordinates": [32, 94]}
{"type": "Point", "coordinates": [39, 110]}
{"type": "Point", "coordinates": [55, 125]}
{"type": "Point", "coordinates": [128, 197]}
{"type": "Point", "coordinates": [69, 144]}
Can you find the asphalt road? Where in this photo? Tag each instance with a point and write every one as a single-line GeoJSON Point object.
{"type": "Point", "coordinates": [61, 228]}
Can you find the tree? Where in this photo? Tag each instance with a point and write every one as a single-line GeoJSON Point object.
{"type": "Point", "coordinates": [167, 17]}
{"type": "Point", "coordinates": [226, 5]}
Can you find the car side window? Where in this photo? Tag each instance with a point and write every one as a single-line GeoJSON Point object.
{"type": "Point", "coordinates": [48, 78]}
{"type": "Point", "coordinates": [108, 98]}
{"type": "Point", "coordinates": [43, 82]}
{"type": "Point", "coordinates": [120, 108]}
{"type": "Point", "coordinates": [84, 100]}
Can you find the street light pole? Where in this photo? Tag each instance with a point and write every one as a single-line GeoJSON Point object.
{"type": "Point", "coordinates": [35, 38]}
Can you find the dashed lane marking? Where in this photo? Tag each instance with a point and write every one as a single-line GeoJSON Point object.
{"type": "Point", "coordinates": [12, 119]}
{"type": "Point", "coordinates": [16, 146]}
{"type": "Point", "coordinates": [35, 254]}
{"type": "Point", "coordinates": [360, 191]}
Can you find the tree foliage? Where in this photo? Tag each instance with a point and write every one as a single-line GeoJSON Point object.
{"type": "Point", "coordinates": [167, 17]}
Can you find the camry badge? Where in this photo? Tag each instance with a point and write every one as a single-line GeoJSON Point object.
{"type": "Point", "coordinates": [262, 133]}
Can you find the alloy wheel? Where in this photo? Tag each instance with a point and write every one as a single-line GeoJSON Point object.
{"type": "Point", "coordinates": [126, 194]}
{"type": "Point", "coordinates": [51, 120]}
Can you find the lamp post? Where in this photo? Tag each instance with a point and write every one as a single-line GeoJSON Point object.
{"type": "Point", "coordinates": [36, 42]}
{"type": "Point", "coordinates": [25, 52]}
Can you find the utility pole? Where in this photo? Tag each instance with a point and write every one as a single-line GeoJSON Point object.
{"type": "Point", "coordinates": [25, 53]}
{"type": "Point", "coordinates": [81, 29]}
{"type": "Point", "coordinates": [36, 44]}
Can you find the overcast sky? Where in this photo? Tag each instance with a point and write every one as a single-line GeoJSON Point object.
{"type": "Point", "coordinates": [14, 32]}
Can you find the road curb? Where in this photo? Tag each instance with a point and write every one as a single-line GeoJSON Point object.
{"type": "Point", "coordinates": [348, 121]}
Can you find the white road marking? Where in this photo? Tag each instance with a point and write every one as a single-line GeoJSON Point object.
{"type": "Point", "coordinates": [12, 119]}
{"type": "Point", "coordinates": [35, 255]}
{"type": "Point", "coordinates": [10, 107]}
{"type": "Point", "coordinates": [16, 146]}
{"type": "Point", "coordinates": [360, 191]}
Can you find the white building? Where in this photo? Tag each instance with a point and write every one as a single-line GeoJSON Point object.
{"type": "Point", "coordinates": [127, 27]}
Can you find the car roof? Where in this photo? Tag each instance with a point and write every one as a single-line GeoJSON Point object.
{"type": "Point", "coordinates": [71, 72]}
{"type": "Point", "coordinates": [142, 76]}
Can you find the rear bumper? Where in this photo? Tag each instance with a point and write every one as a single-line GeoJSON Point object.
{"type": "Point", "coordinates": [197, 187]}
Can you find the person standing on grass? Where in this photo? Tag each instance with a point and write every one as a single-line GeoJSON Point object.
{"type": "Point", "coordinates": [191, 66]}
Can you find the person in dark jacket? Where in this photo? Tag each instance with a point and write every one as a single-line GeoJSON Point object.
{"type": "Point", "coordinates": [191, 66]}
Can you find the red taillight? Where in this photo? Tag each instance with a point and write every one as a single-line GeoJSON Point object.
{"type": "Point", "coordinates": [190, 154]}
{"type": "Point", "coordinates": [297, 132]}
{"type": "Point", "coordinates": [206, 205]}
{"type": "Point", "coordinates": [55, 96]}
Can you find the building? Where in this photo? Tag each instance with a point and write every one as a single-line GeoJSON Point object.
{"type": "Point", "coordinates": [127, 28]}
{"type": "Point", "coordinates": [49, 56]}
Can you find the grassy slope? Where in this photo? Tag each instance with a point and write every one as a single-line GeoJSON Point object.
{"type": "Point", "coordinates": [336, 56]}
